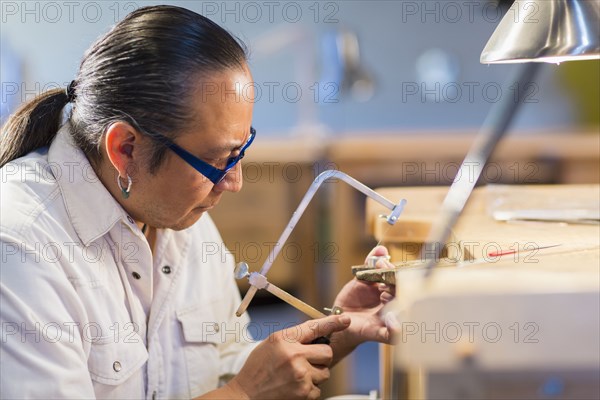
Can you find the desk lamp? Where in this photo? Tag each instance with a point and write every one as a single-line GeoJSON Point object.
{"type": "Point", "coordinates": [531, 32]}
{"type": "Point", "coordinates": [551, 31]}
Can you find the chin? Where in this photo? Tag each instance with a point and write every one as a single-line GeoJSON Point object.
{"type": "Point", "coordinates": [188, 220]}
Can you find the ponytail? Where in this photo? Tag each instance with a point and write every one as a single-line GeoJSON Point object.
{"type": "Point", "coordinates": [33, 125]}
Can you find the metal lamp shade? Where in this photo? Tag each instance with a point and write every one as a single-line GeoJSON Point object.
{"type": "Point", "coordinates": [551, 31]}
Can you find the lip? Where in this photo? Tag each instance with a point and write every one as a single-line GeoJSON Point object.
{"type": "Point", "coordinates": [201, 208]}
{"type": "Point", "coordinates": [208, 207]}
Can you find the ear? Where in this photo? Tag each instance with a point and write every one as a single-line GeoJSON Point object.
{"type": "Point", "coordinates": [120, 141]}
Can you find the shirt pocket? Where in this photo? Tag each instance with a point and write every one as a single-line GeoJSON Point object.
{"type": "Point", "coordinates": [201, 334]}
{"type": "Point", "coordinates": [116, 366]}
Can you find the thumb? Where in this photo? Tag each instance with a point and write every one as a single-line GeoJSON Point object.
{"type": "Point", "coordinates": [310, 330]}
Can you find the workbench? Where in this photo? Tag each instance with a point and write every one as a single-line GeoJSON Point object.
{"type": "Point", "coordinates": [513, 310]}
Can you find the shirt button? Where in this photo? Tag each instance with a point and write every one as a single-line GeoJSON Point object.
{"type": "Point", "coordinates": [130, 219]}
{"type": "Point", "coordinates": [117, 366]}
{"type": "Point", "coordinates": [166, 269]}
{"type": "Point", "coordinates": [216, 327]}
{"type": "Point", "coordinates": [136, 275]}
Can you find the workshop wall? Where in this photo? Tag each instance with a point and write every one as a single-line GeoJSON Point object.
{"type": "Point", "coordinates": [422, 57]}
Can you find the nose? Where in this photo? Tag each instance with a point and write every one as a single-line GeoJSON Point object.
{"type": "Point", "coordinates": [232, 182]}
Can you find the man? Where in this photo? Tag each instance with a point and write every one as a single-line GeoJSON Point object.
{"type": "Point", "coordinates": [105, 289]}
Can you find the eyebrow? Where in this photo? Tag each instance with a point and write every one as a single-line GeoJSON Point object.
{"type": "Point", "coordinates": [228, 147]}
{"type": "Point", "coordinates": [224, 149]}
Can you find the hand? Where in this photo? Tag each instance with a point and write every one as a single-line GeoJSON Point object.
{"type": "Point", "coordinates": [286, 365]}
{"type": "Point", "coordinates": [362, 302]}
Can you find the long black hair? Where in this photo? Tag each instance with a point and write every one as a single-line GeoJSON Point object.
{"type": "Point", "coordinates": [142, 71]}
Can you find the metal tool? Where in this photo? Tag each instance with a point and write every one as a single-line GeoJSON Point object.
{"type": "Point", "coordinates": [258, 280]}
{"type": "Point", "coordinates": [494, 128]}
{"type": "Point", "coordinates": [368, 271]}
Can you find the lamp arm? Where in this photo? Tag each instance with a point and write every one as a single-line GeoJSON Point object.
{"type": "Point", "coordinates": [492, 131]}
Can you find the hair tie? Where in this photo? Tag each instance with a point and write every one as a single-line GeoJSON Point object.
{"type": "Point", "coordinates": [71, 92]}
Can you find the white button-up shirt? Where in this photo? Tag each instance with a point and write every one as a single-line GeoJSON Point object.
{"type": "Point", "coordinates": [88, 311]}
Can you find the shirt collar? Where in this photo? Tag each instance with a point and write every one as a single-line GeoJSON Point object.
{"type": "Point", "coordinates": [92, 209]}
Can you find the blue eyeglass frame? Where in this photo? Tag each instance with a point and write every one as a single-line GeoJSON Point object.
{"type": "Point", "coordinates": [214, 174]}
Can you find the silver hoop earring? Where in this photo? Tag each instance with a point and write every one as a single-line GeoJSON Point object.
{"type": "Point", "coordinates": [124, 192]}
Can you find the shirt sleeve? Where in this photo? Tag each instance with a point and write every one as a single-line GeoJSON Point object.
{"type": "Point", "coordinates": [239, 342]}
{"type": "Point", "coordinates": [42, 351]}
{"type": "Point", "coordinates": [235, 352]}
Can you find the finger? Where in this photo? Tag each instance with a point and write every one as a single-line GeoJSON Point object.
{"type": "Point", "coordinates": [318, 354]}
{"type": "Point", "coordinates": [386, 297]}
{"type": "Point", "coordinates": [391, 289]}
{"type": "Point", "coordinates": [392, 324]}
{"type": "Point", "coordinates": [314, 394]}
{"type": "Point", "coordinates": [384, 263]}
{"type": "Point", "coordinates": [378, 251]}
{"type": "Point", "coordinates": [383, 287]}
{"type": "Point", "coordinates": [319, 374]}
{"type": "Point", "coordinates": [383, 335]}
{"type": "Point", "coordinates": [310, 330]}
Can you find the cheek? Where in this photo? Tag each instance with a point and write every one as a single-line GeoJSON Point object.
{"type": "Point", "coordinates": [186, 189]}
{"type": "Point", "coordinates": [180, 186]}
{"type": "Point", "coordinates": [177, 178]}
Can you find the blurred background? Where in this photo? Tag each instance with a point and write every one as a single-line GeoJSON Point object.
{"type": "Point", "coordinates": [416, 62]}
{"type": "Point", "coordinates": [391, 92]}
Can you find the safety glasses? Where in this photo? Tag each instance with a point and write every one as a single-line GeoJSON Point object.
{"type": "Point", "coordinates": [214, 174]}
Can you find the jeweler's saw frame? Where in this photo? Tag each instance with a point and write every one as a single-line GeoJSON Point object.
{"type": "Point", "coordinates": [396, 210]}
